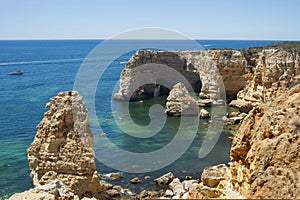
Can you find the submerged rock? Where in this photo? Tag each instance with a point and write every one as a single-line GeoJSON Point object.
{"type": "Point", "coordinates": [63, 147]}
{"type": "Point", "coordinates": [165, 179]}
{"type": "Point", "coordinates": [135, 180]}
{"type": "Point", "coordinates": [181, 102]}
{"type": "Point", "coordinates": [204, 114]}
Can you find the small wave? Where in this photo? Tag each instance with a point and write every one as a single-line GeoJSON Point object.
{"type": "Point", "coordinates": [122, 62]}
{"type": "Point", "coordinates": [41, 62]}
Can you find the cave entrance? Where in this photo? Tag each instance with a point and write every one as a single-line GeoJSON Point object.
{"type": "Point", "coordinates": [152, 90]}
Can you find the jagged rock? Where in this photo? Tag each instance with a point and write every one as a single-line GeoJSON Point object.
{"type": "Point", "coordinates": [265, 152]}
{"type": "Point", "coordinates": [181, 102]}
{"type": "Point", "coordinates": [169, 193]}
{"type": "Point", "coordinates": [177, 187]}
{"type": "Point", "coordinates": [112, 176]}
{"type": "Point", "coordinates": [243, 106]}
{"type": "Point", "coordinates": [233, 114]}
{"type": "Point", "coordinates": [249, 76]}
{"type": "Point", "coordinates": [170, 59]}
{"type": "Point", "coordinates": [135, 180]}
{"type": "Point", "coordinates": [105, 185]}
{"type": "Point", "coordinates": [205, 102]}
{"type": "Point", "coordinates": [165, 179]}
{"type": "Point", "coordinates": [51, 191]}
{"type": "Point", "coordinates": [113, 193]}
{"type": "Point", "coordinates": [63, 147]}
{"type": "Point", "coordinates": [189, 184]}
{"type": "Point", "coordinates": [204, 114]}
{"type": "Point", "coordinates": [148, 194]}
{"type": "Point", "coordinates": [211, 176]}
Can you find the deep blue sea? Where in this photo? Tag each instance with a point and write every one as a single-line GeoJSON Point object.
{"type": "Point", "coordinates": [51, 67]}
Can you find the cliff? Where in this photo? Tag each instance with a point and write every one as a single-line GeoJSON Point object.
{"type": "Point", "coordinates": [265, 156]}
{"type": "Point", "coordinates": [250, 76]}
{"type": "Point", "coordinates": [62, 150]}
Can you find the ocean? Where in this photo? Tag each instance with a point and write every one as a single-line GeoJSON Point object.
{"type": "Point", "coordinates": [51, 67]}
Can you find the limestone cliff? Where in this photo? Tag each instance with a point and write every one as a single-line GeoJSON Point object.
{"type": "Point", "coordinates": [265, 156]}
{"type": "Point", "coordinates": [63, 147]}
{"type": "Point", "coordinates": [273, 72]}
{"type": "Point", "coordinates": [251, 76]}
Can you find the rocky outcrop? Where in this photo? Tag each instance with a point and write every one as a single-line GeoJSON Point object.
{"type": "Point", "coordinates": [265, 156]}
{"type": "Point", "coordinates": [54, 190]}
{"type": "Point", "coordinates": [130, 81]}
{"type": "Point", "coordinates": [63, 147]}
{"type": "Point", "coordinates": [216, 184]}
{"type": "Point", "coordinates": [273, 72]}
{"type": "Point", "coordinates": [181, 102]}
{"type": "Point", "coordinates": [250, 76]}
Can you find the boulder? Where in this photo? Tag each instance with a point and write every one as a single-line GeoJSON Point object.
{"type": "Point", "coordinates": [135, 180]}
{"type": "Point", "coordinates": [204, 114]}
{"type": "Point", "coordinates": [211, 176]}
{"type": "Point", "coordinates": [165, 179]}
{"type": "Point", "coordinates": [177, 187]}
{"type": "Point", "coordinates": [51, 191]}
{"type": "Point", "coordinates": [243, 106]}
{"type": "Point", "coordinates": [181, 102]}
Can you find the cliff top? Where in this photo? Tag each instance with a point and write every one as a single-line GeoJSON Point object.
{"type": "Point", "coordinates": [287, 46]}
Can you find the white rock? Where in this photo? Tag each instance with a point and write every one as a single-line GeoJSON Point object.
{"type": "Point", "coordinates": [165, 179]}
{"type": "Point", "coordinates": [177, 187]}
{"type": "Point", "coordinates": [203, 114]}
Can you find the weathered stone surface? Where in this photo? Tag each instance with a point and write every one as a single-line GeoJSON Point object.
{"type": "Point", "coordinates": [265, 156]}
{"type": "Point", "coordinates": [181, 102]}
{"type": "Point", "coordinates": [204, 114]}
{"type": "Point", "coordinates": [165, 179]}
{"type": "Point", "coordinates": [251, 77]}
{"type": "Point", "coordinates": [273, 73]}
{"type": "Point", "coordinates": [243, 106]}
{"type": "Point", "coordinates": [135, 180]}
{"type": "Point", "coordinates": [52, 191]}
{"type": "Point", "coordinates": [63, 147]}
{"type": "Point", "coordinates": [211, 176]}
{"type": "Point", "coordinates": [113, 193]}
{"type": "Point", "coordinates": [170, 59]}
{"type": "Point", "coordinates": [148, 194]}
{"type": "Point", "coordinates": [177, 187]}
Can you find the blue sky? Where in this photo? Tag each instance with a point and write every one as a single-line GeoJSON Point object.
{"type": "Point", "coordinates": [198, 19]}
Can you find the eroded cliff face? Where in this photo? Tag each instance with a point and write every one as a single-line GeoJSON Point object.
{"type": "Point", "coordinates": [63, 147]}
{"type": "Point", "coordinates": [273, 72]}
{"type": "Point", "coordinates": [181, 102]}
{"type": "Point", "coordinates": [265, 156]}
{"type": "Point", "coordinates": [129, 79]}
{"type": "Point", "coordinates": [250, 77]}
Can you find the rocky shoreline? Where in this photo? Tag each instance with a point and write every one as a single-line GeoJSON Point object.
{"type": "Point", "coordinates": [264, 83]}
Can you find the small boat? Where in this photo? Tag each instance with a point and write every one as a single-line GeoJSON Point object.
{"type": "Point", "coordinates": [19, 72]}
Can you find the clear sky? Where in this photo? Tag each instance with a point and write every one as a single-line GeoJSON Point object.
{"type": "Point", "coordinates": [198, 19]}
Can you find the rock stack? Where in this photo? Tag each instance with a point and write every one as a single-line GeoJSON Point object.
{"type": "Point", "coordinates": [181, 102]}
{"type": "Point", "coordinates": [63, 147]}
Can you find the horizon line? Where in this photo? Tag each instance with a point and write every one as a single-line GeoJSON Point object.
{"type": "Point", "coordinates": [102, 39]}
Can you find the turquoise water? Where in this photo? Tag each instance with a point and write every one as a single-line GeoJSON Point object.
{"type": "Point", "coordinates": [50, 67]}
